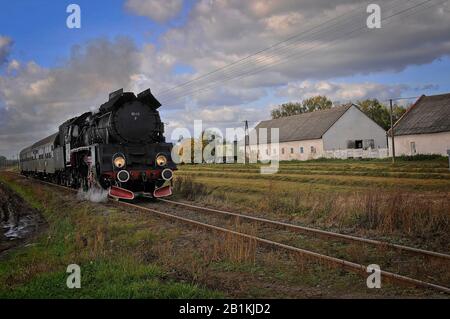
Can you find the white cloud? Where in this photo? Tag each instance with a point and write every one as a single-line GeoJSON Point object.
{"type": "Point", "coordinates": [13, 65]}
{"type": "Point", "coordinates": [221, 32]}
{"type": "Point", "coordinates": [5, 47]}
{"type": "Point", "coordinates": [34, 100]}
{"type": "Point", "coordinates": [157, 10]}
{"type": "Point", "coordinates": [341, 92]}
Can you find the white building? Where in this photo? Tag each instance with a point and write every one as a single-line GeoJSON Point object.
{"type": "Point", "coordinates": [340, 132]}
{"type": "Point", "coordinates": [424, 128]}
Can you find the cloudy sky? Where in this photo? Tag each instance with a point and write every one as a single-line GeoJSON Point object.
{"type": "Point", "coordinates": [222, 61]}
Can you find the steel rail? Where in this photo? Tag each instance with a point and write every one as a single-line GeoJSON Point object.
{"type": "Point", "coordinates": [357, 268]}
{"type": "Point", "coordinates": [313, 230]}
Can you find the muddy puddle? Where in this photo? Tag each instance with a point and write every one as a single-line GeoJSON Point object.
{"type": "Point", "coordinates": [18, 221]}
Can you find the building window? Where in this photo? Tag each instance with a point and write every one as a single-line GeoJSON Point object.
{"type": "Point", "coordinates": [301, 150]}
{"type": "Point", "coordinates": [413, 148]}
{"type": "Point", "coordinates": [368, 144]}
{"type": "Point", "coordinates": [358, 144]}
{"type": "Point", "coordinates": [282, 151]}
{"type": "Point", "coordinates": [313, 149]}
{"type": "Point", "coordinates": [292, 150]}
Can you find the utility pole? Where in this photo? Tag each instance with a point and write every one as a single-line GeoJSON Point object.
{"type": "Point", "coordinates": [392, 133]}
{"type": "Point", "coordinates": [246, 142]}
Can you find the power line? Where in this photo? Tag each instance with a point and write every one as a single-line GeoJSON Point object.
{"type": "Point", "coordinates": [278, 62]}
{"type": "Point", "coordinates": [239, 122]}
{"type": "Point", "coordinates": [401, 98]}
{"type": "Point", "coordinates": [258, 52]}
{"type": "Point", "coordinates": [175, 97]}
{"type": "Point", "coordinates": [263, 59]}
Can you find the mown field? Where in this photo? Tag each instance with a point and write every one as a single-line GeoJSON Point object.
{"type": "Point", "coordinates": [406, 201]}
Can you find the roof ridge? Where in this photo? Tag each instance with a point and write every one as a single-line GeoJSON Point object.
{"type": "Point", "coordinates": [438, 95]}
{"type": "Point", "coordinates": [311, 125]}
{"type": "Point", "coordinates": [333, 108]}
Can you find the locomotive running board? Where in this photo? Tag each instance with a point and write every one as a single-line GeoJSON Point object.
{"type": "Point", "coordinates": [162, 192]}
{"type": "Point", "coordinates": [120, 193]}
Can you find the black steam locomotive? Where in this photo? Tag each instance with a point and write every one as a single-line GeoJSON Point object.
{"type": "Point", "coordinates": [120, 148]}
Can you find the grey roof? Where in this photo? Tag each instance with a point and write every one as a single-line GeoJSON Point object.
{"type": "Point", "coordinates": [307, 126]}
{"type": "Point", "coordinates": [430, 114]}
{"type": "Point", "coordinates": [48, 140]}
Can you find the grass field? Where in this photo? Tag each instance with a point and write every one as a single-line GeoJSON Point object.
{"type": "Point", "coordinates": [108, 244]}
{"type": "Point", "coordinates": [129, 254]}
{"type": "Point", "coordinates": [408, 200]}
{"type": "Point", "coordinates": [124, 253]}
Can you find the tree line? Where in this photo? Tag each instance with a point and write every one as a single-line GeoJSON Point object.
{"type": "Point", "coordinates": [6, 162]}
{"type": "Point", "coordinates": [377, 111]}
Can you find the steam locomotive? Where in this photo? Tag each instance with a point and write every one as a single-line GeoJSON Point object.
{"type": "Point", "coordinates": [120, 148]}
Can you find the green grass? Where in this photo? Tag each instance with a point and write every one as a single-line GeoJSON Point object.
{"type": "Point", "coordinates": [408, 199]}
{"type": "Point", "coordinates": [107, 245]}
{"type": "Point", "coordinates": [347, 175]}
{"type": "Point", "coordinates": [106, 279]}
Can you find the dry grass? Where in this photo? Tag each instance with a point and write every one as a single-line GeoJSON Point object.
{"type": "Point", "coordinates": [404, 212]}
{"type": "Point", "coordinates": [422, 218]}
{"type": "Point", "coordinates": [237, 248]}
{"type": "Point", "coordinates": [188, 188]}
{"type": "Point", "coordinates": [385, 212]}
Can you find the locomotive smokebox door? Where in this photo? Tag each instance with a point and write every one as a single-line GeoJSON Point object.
{"type": "Point", "coordinates": [134, 121]}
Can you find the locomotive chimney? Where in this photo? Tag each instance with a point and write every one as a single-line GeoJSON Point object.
{"type": "Point", "coordinates": [147, 98]}
{"type": "Point", "coordinates": [115, 93]}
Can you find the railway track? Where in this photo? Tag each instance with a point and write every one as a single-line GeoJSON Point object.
{"type": "Point", "coordinates": [358, 268]}
{"type": "Point", "coordinates": [316, 231]}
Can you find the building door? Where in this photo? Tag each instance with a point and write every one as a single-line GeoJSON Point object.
{"type": "Point", "coordinates": [413, 148]}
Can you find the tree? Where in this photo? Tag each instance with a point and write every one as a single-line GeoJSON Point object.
{"type": "Point", "coordinates": [376, 111]}
{"type": "Point", "coordinates": [380, 113]}
{"type": "Point", "coordinates": [287, 109]}
{"type": "Point", "coordinates": [398, 111]}
{"type": "Point", "coordinates": [3, 161]}
{"type": "Point", "coordinates": [317, 103]}
{"type": "Point", "coordinates": [311, 104]}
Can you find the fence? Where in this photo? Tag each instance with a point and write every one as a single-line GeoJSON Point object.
{"type": "Point", "coordinates": [357, 153]}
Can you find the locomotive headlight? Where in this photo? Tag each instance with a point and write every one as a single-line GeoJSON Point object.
{"type": "Point", "coordinates": [119, 161]}
{"type": "Point", "coordinates": [161, 160]}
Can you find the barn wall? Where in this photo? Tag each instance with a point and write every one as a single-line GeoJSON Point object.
{"type": "Point", "coordinates": [436, 143]}
{"type": "Point", "coordinates": [353, 125]}
{"type": "Point", "coordinates": [276, 150]}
